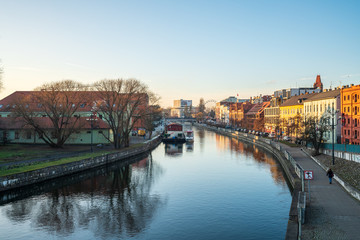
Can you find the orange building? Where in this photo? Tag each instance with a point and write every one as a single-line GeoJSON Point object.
{"type": "Point", "coordinates": [350, 112]}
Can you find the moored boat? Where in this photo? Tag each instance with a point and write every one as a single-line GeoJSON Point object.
{"type": "Point", "coordinates": [174, 133]}
{"type": "Point", "coordinates": [189, 136]}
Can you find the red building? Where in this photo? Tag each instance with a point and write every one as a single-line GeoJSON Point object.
{"type": "Point", "coordinates": [350, 112]}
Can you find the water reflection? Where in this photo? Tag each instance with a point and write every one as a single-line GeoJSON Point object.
{"type": "Point", "coordinates": [239, 148]}
{"type": "Point", "coordinates": [113, 204]}
{"type": "Point", "coordinates": [189, 146]}
{"type": "Point", "coordinates": [215, 188]}
{"type": "Point", "coordinates": [174, 149]}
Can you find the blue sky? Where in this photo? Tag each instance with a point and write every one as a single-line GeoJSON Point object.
{"type": "Point", "coordinates": [181, 49]}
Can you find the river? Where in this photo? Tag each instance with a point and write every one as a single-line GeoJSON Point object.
{"type": "Point", "coordinates": [215, 188]}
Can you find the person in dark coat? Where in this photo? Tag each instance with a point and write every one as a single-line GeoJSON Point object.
{"type": "Point", "coordinates": [330, 174]}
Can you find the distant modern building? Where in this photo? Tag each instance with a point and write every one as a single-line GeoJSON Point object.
{"type": "Point", "coordinates": [182, 108]}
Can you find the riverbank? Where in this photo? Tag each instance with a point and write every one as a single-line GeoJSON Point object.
{"type": "Point", "coordinates": [35, 176]}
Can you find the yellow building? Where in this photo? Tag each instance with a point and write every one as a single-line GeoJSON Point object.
{"type": "Point", "coordinates": [291, 115]}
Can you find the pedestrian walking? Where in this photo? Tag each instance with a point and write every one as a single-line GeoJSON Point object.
{"type": "Point", "coordinates": [330, 174]}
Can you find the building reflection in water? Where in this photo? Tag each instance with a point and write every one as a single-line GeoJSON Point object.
{"type": "Point", "coordinates": [223, 143]}
{"type": "Point", "coordinates": [114, 204]}
{"type": "Point", "coordinates": [200, 137]}
{"type": "Point", "coordinates": [174, 149]}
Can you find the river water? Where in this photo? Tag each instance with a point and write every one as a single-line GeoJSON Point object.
{"type": "Point", "coordinates": [215, 188]}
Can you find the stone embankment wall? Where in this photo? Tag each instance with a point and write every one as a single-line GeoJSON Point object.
{"type": "Point", "coordinates": [31, 177]}
{"type": "Point", "coordinates": [292, 170]}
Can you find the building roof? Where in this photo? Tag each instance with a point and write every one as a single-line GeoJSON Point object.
{"type": "Point", "coordinates": [258, 108]}
{"type": "Point", "coordinates": [84, 100]}
{"type": "Point", "coordinates": [297, 100]}
{"type": "Point", "coordinates": [324, 95]}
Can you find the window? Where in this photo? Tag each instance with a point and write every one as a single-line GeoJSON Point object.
{"type": "Point", "coordinates": [348, 109]}
{"type": "Point", "coordinates": [82, 105]}
{"type": "Point", "coordinates": [53, 135]}
{"type": "Point", "coordinates": [344, 109]}
{"type": "Point", "coordinates": [100, 131]}
{"type": "Point", "coordinates": [1, 105]}
{"type": "Point", "coordinates": [39, 105]}
{"type": "Point", "coordinates": [28, 135]}
{"type": "Point", "coordinates": [16, 135]}
{"type": "Point", "coordinates": [344, 98]}
{"type": "Point", "coordinates": [348, 97]}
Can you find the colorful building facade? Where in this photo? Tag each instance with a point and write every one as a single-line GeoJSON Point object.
{"type": "Point", "coordinates": [350, 114]}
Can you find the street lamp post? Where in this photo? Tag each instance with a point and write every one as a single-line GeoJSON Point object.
{"type": "Point", "coordinates": [333, 112]}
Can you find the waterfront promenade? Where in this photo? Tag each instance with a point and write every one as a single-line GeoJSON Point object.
{"type": "Point", "coordinates": [331, 212]}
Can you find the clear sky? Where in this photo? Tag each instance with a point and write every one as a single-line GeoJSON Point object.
{"type": "Point", "coordinates": [181, 49]}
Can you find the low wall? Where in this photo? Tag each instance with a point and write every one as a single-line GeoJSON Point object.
{"type": "Point", "coordinates": [344, 155]}
{"type": "Point", "coordinates": [31, 177]}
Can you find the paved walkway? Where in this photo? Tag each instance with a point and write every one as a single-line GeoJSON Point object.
{"type": "Point", "coordinates": [333, 213]}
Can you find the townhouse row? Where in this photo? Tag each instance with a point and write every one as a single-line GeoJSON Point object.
{"type": "Point", "coordinates": [286, 111]}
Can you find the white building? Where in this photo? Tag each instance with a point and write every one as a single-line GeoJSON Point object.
{"type": "Point", "coordinates": [323, 105]}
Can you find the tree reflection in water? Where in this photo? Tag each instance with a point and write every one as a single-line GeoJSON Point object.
{"type": "Point", "coordinates": [118, 204]}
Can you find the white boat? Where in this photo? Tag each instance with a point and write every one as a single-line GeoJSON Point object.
{"type": "Point", "coordinates": [189, 136]}
{"type": "Point", "coordinates": [174, 133]}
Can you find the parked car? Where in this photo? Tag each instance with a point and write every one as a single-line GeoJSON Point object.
{"type": "Point", "coordinates": [141, 132]}
{"type": "Point", "coordinates": [265, 134]}
{"type": "Point", "coordinates": [287, 138]}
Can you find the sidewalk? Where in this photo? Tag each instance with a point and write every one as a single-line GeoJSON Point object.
{"type": "Point", "coordinates": [331, 212]}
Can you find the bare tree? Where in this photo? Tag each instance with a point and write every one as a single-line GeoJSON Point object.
{"type": "Point", "coordinates": [259, 124]}
{"type": "Point", "coordinates": [122, 104]}
{"type": "Point", "coordinates": [153, 115]}
{"type": "Point", "coordinates": [50, 110]}
{"type": "Point", "coordinates": [314, 131]}
{"type": "Point", "coordinates": [201, 106]}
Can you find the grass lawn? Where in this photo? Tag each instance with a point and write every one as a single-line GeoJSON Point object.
{"type": "Point", "coordinates": [18, 152]}
{"type": "Point", "coordinates": [26, 152]}
{"type": "Point", "coordinates": [5, 172]}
